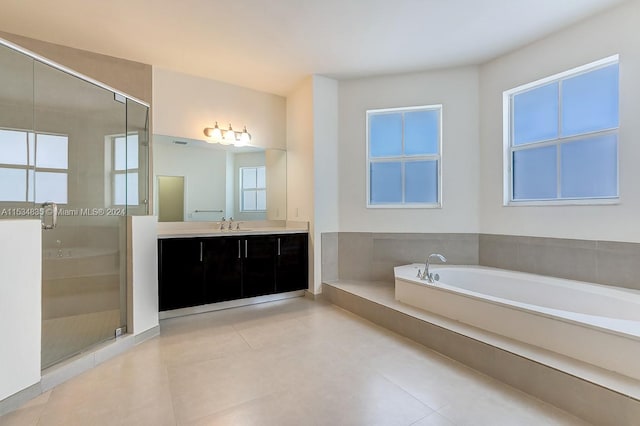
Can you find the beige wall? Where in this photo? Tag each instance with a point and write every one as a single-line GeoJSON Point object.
{"type": "Point", "coordinates": [300, 164]}
{"type": "Point", "coordinates": [325, 160]}
{"type": "Point", "coordinates": [183, 105]}
{"type": "Point", "coordinates": [612, 32]}
{"type": "Point", "coordinates": [457, 91]}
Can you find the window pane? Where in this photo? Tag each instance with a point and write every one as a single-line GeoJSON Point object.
{"type": "Point", "coordinates": [120, 189]}
{"type": "Point", "coordinates": [534, 173]}
{"type": "Point", "coordinates": [386, 182]}
{"type": "Point", "coordinates": [32, 148]}
{"type": "Point", "coordinates": [249, 177]}
{"type": "Point", "coordinates": [120, 154]}
{"type": "Point", "coordinates": [51, 151]}
{"type": "Point", "coordinates": [51, 186]}
{"type": "Point", "coordinates": [31, 178]}
{"type": "Point", "coordinates": [421, 132]}
{"type": "Point", "coordinates": [590, 167]}
{"type": "Point", "coordinates": [261, 202]}
{"type": "Point", "coordinates": [261, 177]}
{"type": "Point", "coordinates": [590, 101]}
{"type": "Point", "coordinates": [13, 148]}
{"type": "Point", "coordinates": [125, 189]}
{"type": "Point", "coordinates": [132, 152]}
{"type": "Point", "coordinates": [14, 184]}
{"type": "Point", "coordinates": [385, 134]}
{"type": "Point", "coordinates": [132, 189]}
{"type": "Point", "coordinates": [535, 114]}
{"type": "Point", "coordinates": [421, 181]}
{"type": "Point", "coordinates": [249, 200]}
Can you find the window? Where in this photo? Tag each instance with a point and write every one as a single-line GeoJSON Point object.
{"type": "Point", "coordinates": [562, 137]}
{"type": "Point", "coordinates": [253, 189]}
{"type": "Point", "coordinates": [403, 157]}
{"type": "Point", "coordinates": [33, 166]}
{"type": "Point", "coordinates": [125, 170]}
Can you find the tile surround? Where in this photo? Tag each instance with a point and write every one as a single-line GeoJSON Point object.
{"type": "Point", "coordinates": [372, 256]}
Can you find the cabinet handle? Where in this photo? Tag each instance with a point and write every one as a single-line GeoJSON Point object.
{"type": "Point", "coordinates": [201, 250]}
{"type": "Point", "coordinates": [239, 251]}
{"type": "Point", "coordinates": [245, 248]}
{"type": "Point", "coordinates": [278, 246]}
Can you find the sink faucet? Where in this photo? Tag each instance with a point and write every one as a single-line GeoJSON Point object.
{"type": "Point", "coordinates": [230, 224]}
{"type": "Point", "coordinates": [428, 276]}
{"type": "Point", "coordinates": [222, 223]}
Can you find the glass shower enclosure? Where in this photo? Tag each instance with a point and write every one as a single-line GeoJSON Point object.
{"type": "Point", "coordinates": [74, 154]}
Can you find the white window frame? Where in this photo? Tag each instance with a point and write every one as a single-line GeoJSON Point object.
{"type": "Point", "coordinates": [405, 158]}
{"type": "Point", "coordinates": [242, 189]}
{"type": "Point", "coordinates": [508, 149]}
{"type": "Point", "coordinates": [32, 167]}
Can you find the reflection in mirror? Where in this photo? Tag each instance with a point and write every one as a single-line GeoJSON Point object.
{"type": "Point", "coordinates": [170, 198]}
{"type": "Point", "coordinates": [246, 183]}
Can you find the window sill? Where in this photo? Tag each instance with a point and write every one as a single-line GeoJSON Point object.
{"type": "Point", "coordinates": [551, 203]}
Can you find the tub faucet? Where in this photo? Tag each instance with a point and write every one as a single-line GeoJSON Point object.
{"type": "Point", "coordinates": [428, 276]}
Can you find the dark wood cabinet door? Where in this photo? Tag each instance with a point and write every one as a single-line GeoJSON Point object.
{"type": "Point", "coordinates": [291, 262]}
{"type": "Point", "coordinates": [180, 274]}
{"type": "Point", "coordinates": [258, 265]}
{"type": "Point", "coordinates": [223, 269]}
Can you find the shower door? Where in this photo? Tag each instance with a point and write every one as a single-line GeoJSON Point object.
{"type": "Point", "coordinates": [74, 155]}
{"type": "Point", "coordinates": [80, 158]}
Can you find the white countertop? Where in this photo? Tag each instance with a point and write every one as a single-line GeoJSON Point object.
{"type": "Point", "coordinates": [212, 229]}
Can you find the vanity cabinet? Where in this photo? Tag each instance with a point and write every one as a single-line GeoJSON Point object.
{"type": "Point", "coordinates": [180, 272]}
{"type": "Point", "coordinates": [202, 270]}
{"type": "Point", "coordinates": [222, 269]}
{"type": "Point", "coordinates": [291, 262]}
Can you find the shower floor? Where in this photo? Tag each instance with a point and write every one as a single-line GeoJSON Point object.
{"type": "Point", "coordinates": [64, 337]}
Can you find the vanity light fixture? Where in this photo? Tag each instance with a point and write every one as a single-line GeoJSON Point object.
{"type": "Point", "coordinates": [228, 136]}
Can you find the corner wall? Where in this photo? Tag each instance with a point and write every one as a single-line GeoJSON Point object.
{"type": "Point", "coordinates": [300, 164]}
{"type": "Point", "coordinates": [606, 34]}
{"type": "Point", "coordinates": [20, 305]}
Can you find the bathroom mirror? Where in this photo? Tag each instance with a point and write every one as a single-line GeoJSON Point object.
{"type": "Point", "coordinates": [246, 183]}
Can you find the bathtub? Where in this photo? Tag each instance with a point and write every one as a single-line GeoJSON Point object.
{"type": "Point", "coordinates": [593, 323]}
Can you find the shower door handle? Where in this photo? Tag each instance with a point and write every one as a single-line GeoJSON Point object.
{"type": "Point", "coordinates": [43, 215]}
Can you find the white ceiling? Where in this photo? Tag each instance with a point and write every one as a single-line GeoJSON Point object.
{"type": "Point", "coordinates": [271, 45]}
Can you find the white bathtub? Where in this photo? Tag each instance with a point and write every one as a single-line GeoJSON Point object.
{"type": "Point", "coordinates": [589, 322]}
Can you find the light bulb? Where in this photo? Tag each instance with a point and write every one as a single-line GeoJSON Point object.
{"type": "Point", "coordinates": [245, 137]}
{"type": "Point", "coordinates": [215, 134]}
{"type": "Point", "coordinates": [230, 136]}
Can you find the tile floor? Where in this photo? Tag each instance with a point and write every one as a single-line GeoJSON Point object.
{"type": "Point", "coordinates": [292, 362]}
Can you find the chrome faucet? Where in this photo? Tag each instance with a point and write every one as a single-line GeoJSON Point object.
{"type": "Point", "coordinates": [428, 276]}
{"type": "Point", "coordinates": [222, 223]}
{"type": "Point", "coordinates": [230, 224]}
